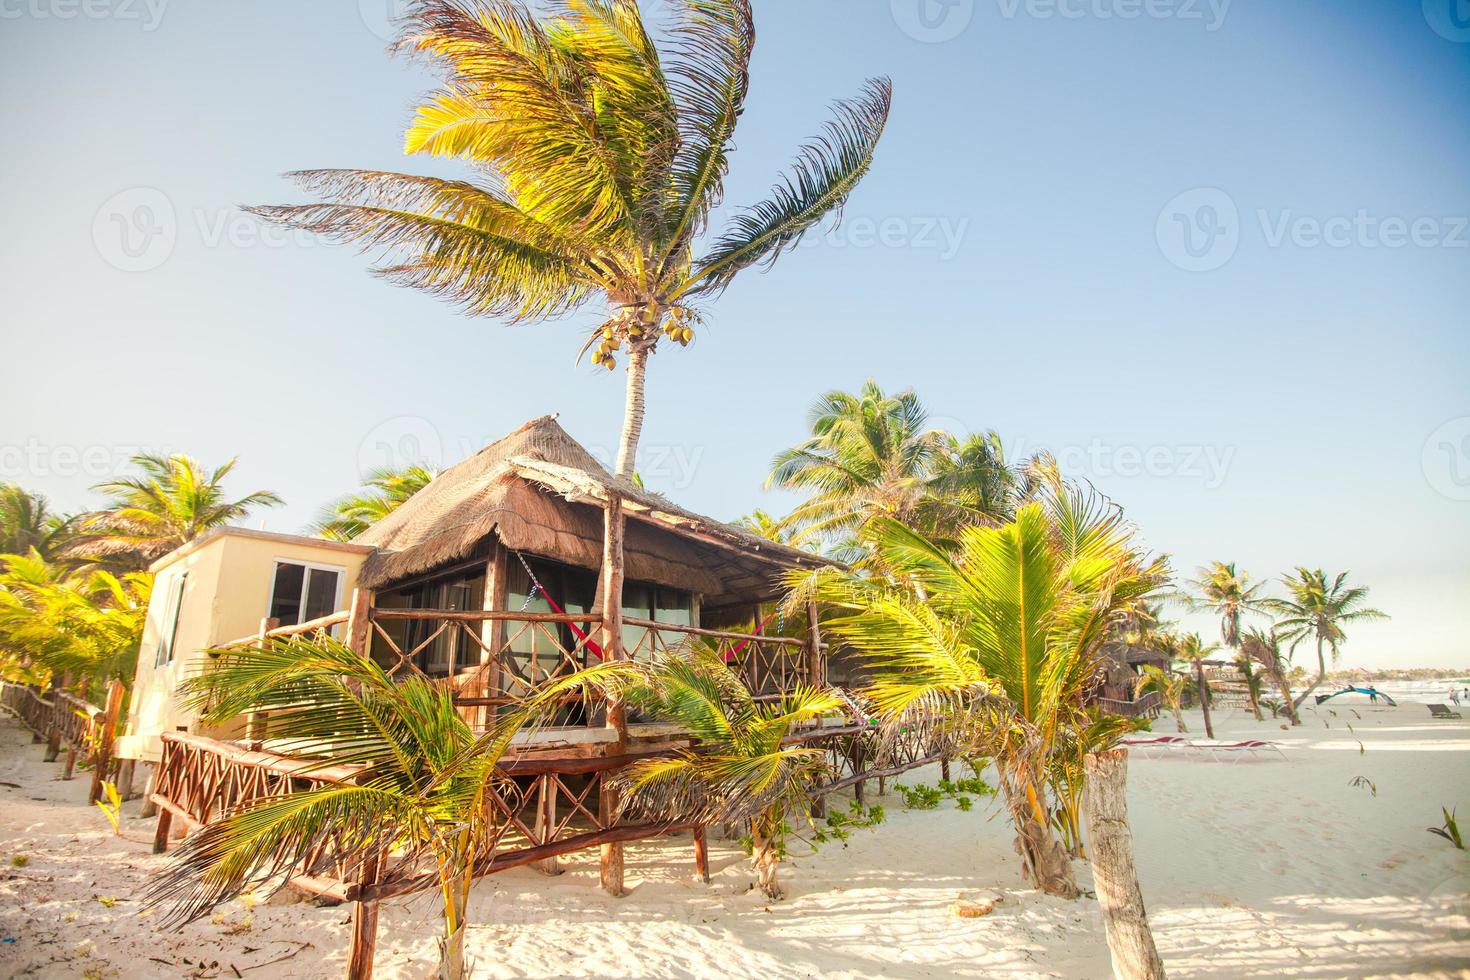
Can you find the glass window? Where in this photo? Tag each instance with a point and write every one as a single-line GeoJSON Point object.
{"type": "Point", "coordinates": [303, 592]}
{"type": "Point", "coordinates": [169, 628]}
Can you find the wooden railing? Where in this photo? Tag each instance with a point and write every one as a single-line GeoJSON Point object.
{"type": "Point", "coordinates": [768, 665]}
{"type": "Point", "coordinates": [1145, 706]}
{"type": "Point", "coordinates": [201, 780]}
{"type": "Point", "coordinates": [67, 721]}
{"type": "Point", "coordinates": [33, 709]}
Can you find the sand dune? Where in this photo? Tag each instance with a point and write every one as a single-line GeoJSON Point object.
{"type": "Point", "coordinates": [1266, 868]}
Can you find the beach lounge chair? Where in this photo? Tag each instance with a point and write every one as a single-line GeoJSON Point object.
{"type": "Point", "coordinates": [1440, 711]}
{"type": "Point", "coordinates": [1247, 748]}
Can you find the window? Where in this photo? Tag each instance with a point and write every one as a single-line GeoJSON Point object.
{"type": "Point", "coordinates": [303, 592]}
{"type": "Point", "coordinates": [661, 605]}
{"type": "Point", "coordinates": [168, 629]}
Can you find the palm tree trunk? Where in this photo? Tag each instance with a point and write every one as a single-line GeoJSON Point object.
{"type": "Point", "coordinates": [767, 861]}
{"type": "Point", "coordinates": [1250, 690]}
{"type": "Point", "coordinates": [633, 411]}
{"type": "Point", "coordinates": [451, 947]}
{"type": "Point", "coordinates": [1130, 941]}
{"type": "Point", "coordinates": [1321, 676]}
{"type": "Point", "coordinates": [1285, 686]}
{"type": "Point", "coordinates": [1043, 859]}
{"type": "Point", "coordinates": [1204, 697]}
{"type": "Point", "coordinates": [1178, 716]}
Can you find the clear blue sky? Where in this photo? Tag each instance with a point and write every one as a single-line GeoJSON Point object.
{"type": "Point", "coordinates": [1273, 368]}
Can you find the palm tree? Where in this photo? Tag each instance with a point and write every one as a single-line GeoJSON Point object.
{"type": "Point", "coordinates": [1001, 641]}
{"type": "Point", "coordinates": [1265, 649]}
{"type": "Point", "coordinates": [54, 621]}
{"type": "Point", "coordinates": [873, 455]}
{"type": "Point", "coordinates": [385, 491]}
{"type": "Point", "coordinates": [1169, 685]}
{"type": "Point", "coordinates": [740, 769]}
{"type": "Point", "coordinates": [423, 791]}
{"type": "Point", "coordinates": [1220, 589]}
{"type": "Point", "coordinates": [1193, 650]}
{"type": "Point", "coordinates": [171, 502]}
{"type": "Point", "coordinates": [599, 158]}
{"type": "Point", "coordinates": [27, 524]}
{"type": "Point", "coordinates": [1318, 609]}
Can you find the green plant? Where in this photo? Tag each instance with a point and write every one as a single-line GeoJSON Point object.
{"type": "Point", "coordinates": [1363, 781]}
{"type": "Point", "coordinates": [111, 807]}
{"type": "Point", "coordinates": [920, 797]}
{"type": "Point", "coordinates": [19, 860]}
{"type": "Point", "coordinates": [964, 802]}
{"type": "Point", "coordinates": [1316, 609]}
{"type": "Point", "coordinates": [951, 644]}
{"type": "Point", "coordinates": [1450, 830]}
{"type": "Point", "coordinates": [838, 825]}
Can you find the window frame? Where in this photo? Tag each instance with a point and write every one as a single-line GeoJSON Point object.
{"type": "Point", "coordinates": [168, 630]}
{"type": "Point", "coordinates": [307, 568]}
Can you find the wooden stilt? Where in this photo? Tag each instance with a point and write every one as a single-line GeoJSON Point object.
{"type": "Point", "coordinates": [149, 808]}
{"type": "Point", "coordinates": [546, 823]}
{"type": "Point", "coordinates": [102, 760]}
{"type": "Point", "coordinates": [701, 855]}
{"type": "Point", "coordinates": [71, 761]}
{"type": "Point", "coordinates": [125, 779]}
{"type": "Point", "coordinates": [611, 864]}
{"type": "Point", "coordinates": [160, 832]}
{"type": "Point", "coordinates": [944, 769]}
{"type": "Point", "coordinates": [364, 929]}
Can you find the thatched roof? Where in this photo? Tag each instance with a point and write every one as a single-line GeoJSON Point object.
{"type": "Point", "coordinates": [542, 493]}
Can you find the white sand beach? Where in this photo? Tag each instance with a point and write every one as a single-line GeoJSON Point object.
{"type": "Point", "coordinates": [1272, 867]}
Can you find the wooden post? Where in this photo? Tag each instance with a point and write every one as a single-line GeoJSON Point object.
{"type": "Point", "coordinates": [816, 673]}
{"type": "Point", "coordinates": [364, 927]}
{"type": "Point", "coordinates": [612, 649]}
{"type": "Point", "coordinates": [53, 724]}
{"type": "Point", "coordinates": [546, 822]}
{"type": "Point", "coordinates": [102, 761]}
{"type": "Point", "coordinates": [1130, 941]}
{"type": "Point", "coordinates": [68, 769]}
{"type": "Point", "coordinates": [359, 632]}
{"type": "Point", "coordinates": [701, 855]}
{"type": "Point", "coordinates": [149, 808]}
{"type": "Point", "coordinates": [944, 768]}
{"type": "Point", "coordinates": [1204, 696]}
{"type": "Point", "coordinates": [255, 721]}
{"type": "Point", "coordinates": [125, 769]}
{"type": "Point", "coordinates": [160, 832]}
{"type": "Point", "coordinates": [492, 632]}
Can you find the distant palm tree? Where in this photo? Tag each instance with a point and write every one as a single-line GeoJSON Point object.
{"type": "Point", "coordinates": [740, 769]}
{"type": "Point", "coordinates": [171, 502]}
{"type": "Point", "coordinates": [1000, 643]}
{"type": "Point", "coordinates": [768, 526]}
{"type": "Point", "coordinates": [873, 455]}
{"type": "Point", "coordinates": [1169, 685]}
{"type": "Point", "coordinates": [1265, 649]}
{"type": "Point", "coordinates": [1192, 650]}
{"type": "Point", "coordinates": [27, 524]}
{"type": "Point", "coordinates": [599, 158]}
{"type": "Point", "coordinates": [1316, 609]}
{"type": "Point", "coordinates": [1219, 588]}
{"type": "Point", "coordinates": [386, 491]}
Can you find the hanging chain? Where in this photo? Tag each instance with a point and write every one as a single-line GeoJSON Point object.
{"type": "Point", "coordinates": [536, 587]}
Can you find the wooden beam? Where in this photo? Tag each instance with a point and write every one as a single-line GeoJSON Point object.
{"type": "Point", "coordinates": [701, 855]}
{"type": "Point", "coordinates": [364, 927]}
{"type": "Point", "coordinates": [102, 761]}
{"type": "Point", "coordinates": [359, 630]}
{"type": "Point", "coordinates": [492, 631]}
